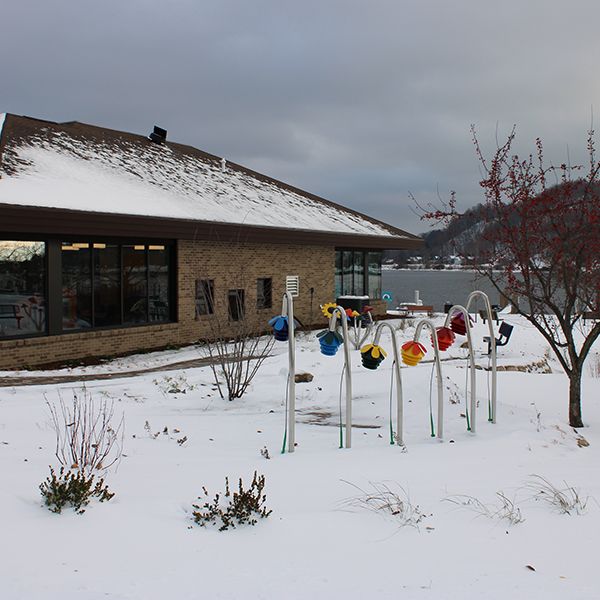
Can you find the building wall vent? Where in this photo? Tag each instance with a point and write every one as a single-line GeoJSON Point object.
{"type": "Point", "coordinates": [159, 135]}
{"type": "Point", "coordinates": [292, 285]}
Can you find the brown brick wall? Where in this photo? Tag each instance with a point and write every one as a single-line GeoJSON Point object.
{"type": "Point", "coordinates": [231, 267]}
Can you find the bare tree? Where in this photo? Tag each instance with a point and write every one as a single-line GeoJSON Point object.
{"type": "Point", "coordinates": [542, 234]}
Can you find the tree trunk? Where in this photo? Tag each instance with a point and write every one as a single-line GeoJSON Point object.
{"type": "Point", "coordinates": [575, 399]}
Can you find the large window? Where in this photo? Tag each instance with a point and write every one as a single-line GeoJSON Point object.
{"type": "Point", "coordinates": [109, 284]}
{"type": "Point", "coordinates": [159, 283]}
{"type": "Point", "coordinates": [135, 283]}
{"type": "Point", "coordinates": [358, 273]}
{"type": "Point", "coordinates": [22, 288]}
{"type": "Point", "coordinates": [374, 274]}
{"type": "Point", "coordinates": [77, 286]}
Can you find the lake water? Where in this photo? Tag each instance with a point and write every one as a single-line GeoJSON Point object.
{"type": "Point", "coordinates": [435, 287]}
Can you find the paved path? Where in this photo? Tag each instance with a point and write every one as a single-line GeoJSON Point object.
{"type": "Point", "coordinates": [51, 379]}
{"type": "Point", "coordinates": [185, 364]}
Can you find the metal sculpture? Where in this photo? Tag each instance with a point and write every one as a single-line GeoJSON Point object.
{"type": "Point", "coordinates": [372, 356]}
{"type": "Point", "coordinates": [486, 302]}
{"type": "Point", "coordinates": [284, 326]}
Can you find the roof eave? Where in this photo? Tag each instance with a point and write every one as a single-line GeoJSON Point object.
{"type": "Point", "coordinates": [23, 220]}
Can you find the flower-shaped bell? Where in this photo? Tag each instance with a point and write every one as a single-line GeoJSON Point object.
{"type": "Point", "coordinates": [281, 329]}
{"type": "Point", "coordinates": [445, 337]}
{"type": "Point", "coordinates": [328, 308]}
{"type": "Point", "coordinates": [329, 341]}
{"type": "Point", "coordinates": [372, 356]}
{"type": "Point", "coordinates": [412, 353]}
{"type": "Point", "coordinates": [458, 325]}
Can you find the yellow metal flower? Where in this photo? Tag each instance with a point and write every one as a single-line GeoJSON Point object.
{"type": "Point", "coordinates": [376, 351]}
{"type": "Point", "coordinates": [327, 309]}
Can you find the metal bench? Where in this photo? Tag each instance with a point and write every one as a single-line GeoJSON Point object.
{"type": "Point", "coordinates": [505, 330]}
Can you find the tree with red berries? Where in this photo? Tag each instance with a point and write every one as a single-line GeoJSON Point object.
{"type": "Point", "coordinates": [542, 248]}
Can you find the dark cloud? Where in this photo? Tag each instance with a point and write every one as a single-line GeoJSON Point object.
{"type": "Point", "coordinates": [360, 102]}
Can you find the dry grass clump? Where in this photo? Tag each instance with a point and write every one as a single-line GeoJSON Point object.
{"type": "Point", "coordinates": [504, 508]}
{"type": "Point", "coordinates": [386, 500]}
{"type": "Point", "coordinates": [566, 500]}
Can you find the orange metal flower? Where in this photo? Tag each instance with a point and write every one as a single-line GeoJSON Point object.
{"type": "Point", "coordinates": [413, 353]}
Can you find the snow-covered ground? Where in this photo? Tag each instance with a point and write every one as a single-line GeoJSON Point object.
{"type": "Point", "coordinates": [143, 544]}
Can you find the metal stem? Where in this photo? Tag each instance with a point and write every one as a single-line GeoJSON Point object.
{"type": "Point", "coordinates": [332, 326]}
{"type": "Point", "coordinates": [488, 309]}
{"type": "Point", "coordinates": [461, 309]}
{"type": "Point", "coordinates": [440, 384]}
{"type": "Point", "coordinates": [399, 400]}
{"type": "Point", "coordinates": [287, 309]}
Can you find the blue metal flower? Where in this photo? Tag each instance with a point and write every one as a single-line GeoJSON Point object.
{"type": "Point", "coordinates": [281, 329]}
{"type": "Point", "coordinates": [329, 341]}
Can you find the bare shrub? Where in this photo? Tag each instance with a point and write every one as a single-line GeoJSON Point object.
{"type": "Point", "coordinates": [503, 508]}
{"type": "Point", "coordinates": [236, 347]}
{"type": "Point", "coordinates": [86, 439]}
{"type": "Point", "coordinates": [236, 360]}
{"type": "Point", "coordinates": [566, 500]}
{"type": "Point", "coordinates": [383, 499]}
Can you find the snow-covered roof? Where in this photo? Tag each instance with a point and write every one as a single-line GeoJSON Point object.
{"type": "Point", "coordinates": [85, 168]}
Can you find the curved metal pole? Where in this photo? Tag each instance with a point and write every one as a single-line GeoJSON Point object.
{"type": "Point", "coordinates": [438, 365]}
{"type": "Point", "coordinates": [287, 309]}
{"type": "Point", "coordinates": [399, 400]}
{"type": "Point", "coordinates": [357, 339]}
{"type": "Point", "coordinates": [332, 325]}
{"type": "Point", "coordinates": [488, 309]}
{"type": "Point", "coordinates": [461, 309]}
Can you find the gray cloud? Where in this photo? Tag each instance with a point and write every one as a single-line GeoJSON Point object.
{"type": "Point", "coordinates": [358, 102]}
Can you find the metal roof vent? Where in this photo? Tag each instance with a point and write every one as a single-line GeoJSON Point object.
{"type": "Point", "coordinates": [159, 135]}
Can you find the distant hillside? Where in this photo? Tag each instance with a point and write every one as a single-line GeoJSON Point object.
{"type": "Point", "coordinates": [461, 238]}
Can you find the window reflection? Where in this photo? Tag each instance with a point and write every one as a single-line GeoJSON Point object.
{"type": "Point", "coordinates": [106, 284]}
{"type": "Point", "coordinates": [158, 282]}
{"type": "Point", "coordinates": [22, 288]}
{"type": "Point", "coordinates": [76, 286]}
{"type": "Point", "coordinates": [351, 279]}
{"type": "Point", "coordinates": [135, 284]}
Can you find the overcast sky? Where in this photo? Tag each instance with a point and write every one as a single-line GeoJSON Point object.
{"type": "Point", "coordinates": [359, 102]}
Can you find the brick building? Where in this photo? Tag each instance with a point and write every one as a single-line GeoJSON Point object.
{"type": "Point", "coordinates": [112, 242]}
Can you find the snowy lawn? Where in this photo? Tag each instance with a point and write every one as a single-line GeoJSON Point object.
{"type": "Point", "coordinates": [143, 544]}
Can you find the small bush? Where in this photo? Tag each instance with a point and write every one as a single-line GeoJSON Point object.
{"type": "Point", "coordinates": [72, 488]}
{"type": "Point", "coordinates": [243, 507]}
{"type": "Point", "coordinates": [174, 385]}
